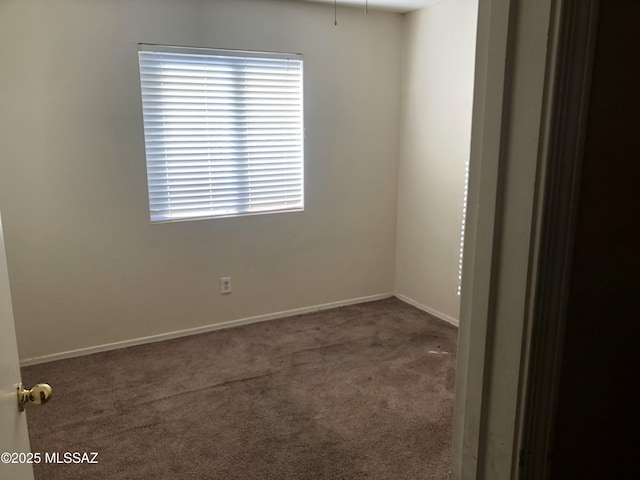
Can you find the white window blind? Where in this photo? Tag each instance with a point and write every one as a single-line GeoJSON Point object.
{"type": "Point", "coordinates": [223, 132]}
{"type": "Point", "coordinates": [465, 200]}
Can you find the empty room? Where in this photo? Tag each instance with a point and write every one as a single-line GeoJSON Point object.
{"type": "Point", "coordinates": [233, 234]}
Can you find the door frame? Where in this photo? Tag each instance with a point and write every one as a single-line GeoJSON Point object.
{"type": "Point", "coordinates": [568, 107]}
{"type": "Point", "coordinates": [527, 136]}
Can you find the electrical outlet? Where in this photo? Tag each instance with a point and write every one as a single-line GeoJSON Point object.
{"type": "Point", "coordinates": [225, 285]}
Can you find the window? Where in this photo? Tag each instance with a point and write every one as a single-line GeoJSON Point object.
{"type": "Point", "coordinates": [465, 200]}
{"type": "Point", "coordinates": [223, 132]}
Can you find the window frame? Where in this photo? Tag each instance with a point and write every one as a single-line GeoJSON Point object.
{"type": "Point", "coordinates": [244, 206]}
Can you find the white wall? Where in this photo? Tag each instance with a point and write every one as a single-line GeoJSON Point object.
{"type": "Point", "coordinates": [87, 267]}
{"type": "Point", "coordinates": [437, 86]}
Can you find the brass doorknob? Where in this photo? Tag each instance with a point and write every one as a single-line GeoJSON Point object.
{"type": "Point", "coordinates": [39, 394]}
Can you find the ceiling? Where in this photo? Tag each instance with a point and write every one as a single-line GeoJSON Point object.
{"type": "Point", "coordinates": [402, 6]}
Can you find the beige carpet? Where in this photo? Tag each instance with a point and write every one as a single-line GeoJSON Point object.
{"type": "Point", "coordinates": [364, 391]}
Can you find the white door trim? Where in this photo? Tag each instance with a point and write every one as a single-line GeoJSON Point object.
{"type": "Point", "coordinates": [515, 74]}
{"type": "Point", "coordinates": [487, 125]}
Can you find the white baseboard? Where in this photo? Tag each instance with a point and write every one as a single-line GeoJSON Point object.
{"type": "Point", "coordinates": [194, 331]}
{"type": "Point", "coordinates": [429, 310]}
